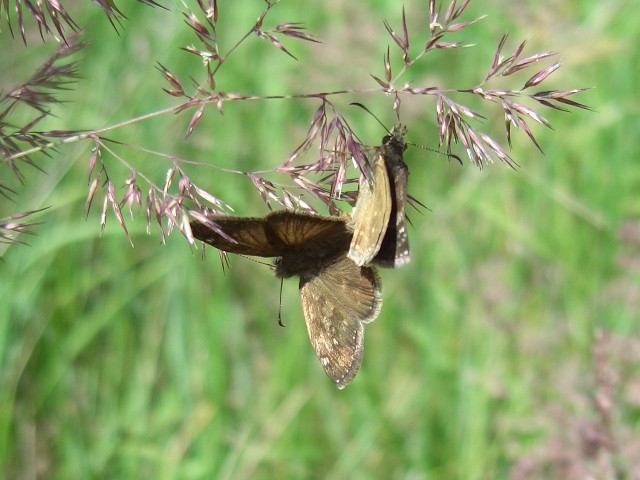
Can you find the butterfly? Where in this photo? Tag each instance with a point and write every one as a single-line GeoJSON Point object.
{"type": "Point", "coordinates": [337, 295]}
{"type": "Point", "coordinates": [378, 219]}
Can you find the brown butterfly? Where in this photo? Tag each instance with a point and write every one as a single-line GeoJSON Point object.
{"type": "Point", "coordinates": [338, 296]}
{"type": "Point", "coordinates": [378, 220]}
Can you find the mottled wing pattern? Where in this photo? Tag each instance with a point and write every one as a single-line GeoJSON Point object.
{"type": "Point", "coordinates": [243, 235]}
{"type": "Point", "coordinates": [394, 249]}
{"type": "Point", "coordinates": [336, 303]}
{"type": "Point", "coordinates": [371, 214]}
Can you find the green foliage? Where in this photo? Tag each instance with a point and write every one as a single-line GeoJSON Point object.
{"type": "Point", "coordinates": [145, 362]}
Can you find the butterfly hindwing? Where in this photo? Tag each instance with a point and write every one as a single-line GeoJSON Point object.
{"type": "Point", "coordinates": [336, 304]}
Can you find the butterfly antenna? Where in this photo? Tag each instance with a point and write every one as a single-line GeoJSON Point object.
{"type": "Point", "coordinates": [357, 104]}
{"type": "Point", "coordinates": [226, 262]}
{"type": "Point", "coordinates": [448, 155]}
{"type": "Point", "coordinates": [254, 260]}
{"type": "Point", "coordinates": [280, 322]}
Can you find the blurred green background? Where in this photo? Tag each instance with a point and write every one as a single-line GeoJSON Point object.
{"type": "Point", "coordinates": [508, 348]}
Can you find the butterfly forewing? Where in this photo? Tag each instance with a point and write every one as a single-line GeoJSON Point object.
{"type": "Point", "coordinates": [304, 229]}
{"type": "Point", "coordinates": [371, 214]}
{"type": "Point", "coordinates": [335, 305]}
{"type": "Point", "coordinates": [275, 235]}
{"type": "Point", "coordinates": [246, 236]}
{"type": "Point", "coordinates": [379, 226]}
{"type": "Point", "coordinates": [394, 251]}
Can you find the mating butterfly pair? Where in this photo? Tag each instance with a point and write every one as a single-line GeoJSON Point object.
{"type": "Point", "coordinates": [339, 287]}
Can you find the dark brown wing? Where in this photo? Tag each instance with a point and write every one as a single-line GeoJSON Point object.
{"type": "Point", "coordinates": [371, 214]}
{"type": "Point", "coordinates": [336, 303]}
{"type": "Point", "coordinates": [394, 249]}
{"type": "Point", "coordinates": [279, 234]}
{"type": "Point", "coordinates": [298, 229]}
{"type": "Point", "coordinates": [311, 242]}
{"type": "Point", "coordinates": [243, 235]}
